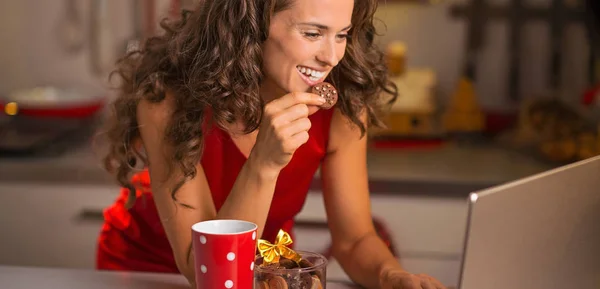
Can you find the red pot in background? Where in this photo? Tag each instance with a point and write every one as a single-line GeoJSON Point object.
{"type": "Point", "coordinates": [52, 102]}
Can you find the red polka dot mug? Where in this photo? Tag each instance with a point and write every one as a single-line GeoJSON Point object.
{"type": "Point", "coordinates": [224, 253]}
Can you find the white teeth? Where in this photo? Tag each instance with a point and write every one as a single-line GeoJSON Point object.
{"type": "Point", "coordinates": [312, 74]}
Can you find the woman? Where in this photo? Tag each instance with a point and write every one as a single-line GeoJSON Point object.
{"type": "Point", "coordinates": [220, 107]}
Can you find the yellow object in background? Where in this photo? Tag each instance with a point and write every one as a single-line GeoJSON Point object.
{"type": "Point", "coordinates": [11, 108]}
{"type": "Point", "coordinates": [464, 113]}
{"type": "Point", "coordinates": [396, 58]}
{"type": "Point", "coordinates": [414, 113]}
{"type": "Point", "coordinates": [411, 124]}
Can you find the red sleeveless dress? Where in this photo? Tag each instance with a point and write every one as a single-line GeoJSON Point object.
{"type": "Point", "coordinates": [134, 239]}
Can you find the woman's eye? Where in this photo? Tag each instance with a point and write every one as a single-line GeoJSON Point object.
{"type": "Point", "coordinates": [343, 36]}
{"type": "Point", "coordinates": [312, 34]}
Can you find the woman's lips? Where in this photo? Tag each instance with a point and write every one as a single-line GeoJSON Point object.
{"type": "Point", "coordinates": [310, 76]}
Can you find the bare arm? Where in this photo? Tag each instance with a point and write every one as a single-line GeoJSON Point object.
{"type": "Point", "coordinates": [356, 245]}
{"type": "Point", "coordinates": [251, 195]}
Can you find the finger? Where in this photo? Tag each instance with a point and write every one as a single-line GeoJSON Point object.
{"type": "Point", "coordinates": [312, 109]}
{"type": "Point", "coordinates": [436, 284]}
{"type": "Point", "coordinates": [297, 126]}
{"type": "Point", "coordinates": [426, 284]}
{"type": "Point", "coordinates": [294, 98]}
{"type": "Point", "coordinates": [290, 114]}
{"type": "Point", "coordinates": [413, 283]}
{"type": "Point", "coordinates": [296, 141]}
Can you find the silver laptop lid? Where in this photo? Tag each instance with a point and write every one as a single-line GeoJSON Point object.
{"type": "Point", "coordinates": [539, 232]}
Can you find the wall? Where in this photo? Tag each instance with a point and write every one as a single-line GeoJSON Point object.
{"type": "Point", "coordinates": [12, 69]}
{"type": "Point", "coordinates": [436, 40]}
{"type": "Point", "coordinates": [31, 55]}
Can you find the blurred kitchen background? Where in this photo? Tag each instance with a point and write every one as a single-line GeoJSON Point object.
{"type": "Point", "coordinates": [490, 91]}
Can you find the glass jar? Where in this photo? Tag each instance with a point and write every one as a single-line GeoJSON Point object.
{"type": "Point", "coordinates": [311, 273]}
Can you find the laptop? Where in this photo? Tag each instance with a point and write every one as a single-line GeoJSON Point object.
{"type": "Point", "coordinates": [538, 232]}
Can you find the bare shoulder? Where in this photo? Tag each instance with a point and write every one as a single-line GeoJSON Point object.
{"type": "Point", "coordinates": [153, 119]}
{"type": "Point", "coordinates": [344, 132]}
{"type": "Point", "coordinates": [155, 114]}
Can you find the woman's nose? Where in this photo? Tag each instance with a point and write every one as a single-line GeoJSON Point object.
{"type": "Point", "coordinates": [328, 53]}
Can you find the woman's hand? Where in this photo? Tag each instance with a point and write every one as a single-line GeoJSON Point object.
{"type": "Point", "coordinates": [283, 130]}
{"type": "Point", "coordinates": [400, 279]}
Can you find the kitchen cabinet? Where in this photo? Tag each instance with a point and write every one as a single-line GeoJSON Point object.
{"type": "Point", "coordinates": [42, 225]}
{"type": "Point", "coordinates": [428, 232]}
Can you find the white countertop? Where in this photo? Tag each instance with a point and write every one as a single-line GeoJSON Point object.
{"type": "Point", "coordinates": [48, 278]}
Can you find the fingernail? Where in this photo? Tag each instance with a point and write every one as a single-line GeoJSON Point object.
{"type": "Point", "coordinates": [322, 99]}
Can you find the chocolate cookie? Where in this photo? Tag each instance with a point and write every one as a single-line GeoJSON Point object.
{"type": "Point", "coordinates": [328, 91]}
{"type": "Point", "coordinates": [306, 264]}
{"type": "Point", "coordinates": [277, 282]}
{"type": "Point", "coordinates": [261, 284]}
{"type": "Point", "coordinates": [307, 280]}
{"type": "Point", "coordinates": [310, 282]}
{"type": "Point", "coordinates": [265, 276]}
{"type": "Point", "coordinates": [287, 263]}
{"type": "Point", "coordinates": [316, 283]}
{"type": "Point", "coordinates": [271, 266]}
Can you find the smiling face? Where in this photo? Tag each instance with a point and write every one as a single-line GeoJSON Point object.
{"type": "Point", "coordinates": [305, 42]}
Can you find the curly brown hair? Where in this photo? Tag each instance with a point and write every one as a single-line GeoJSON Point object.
{"type": "Point", "coordinates": [210, 59]}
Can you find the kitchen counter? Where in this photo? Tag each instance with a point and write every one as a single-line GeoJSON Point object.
{"type": "Point", "coordinates": [450, 171]}
{"type": "Point", "coordinates": [418, 194]}
{"type": "Point", "coordinates": [48, 278]}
